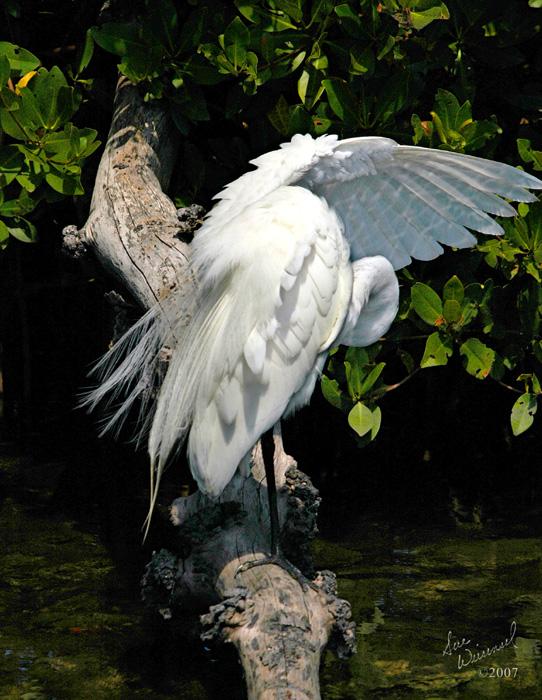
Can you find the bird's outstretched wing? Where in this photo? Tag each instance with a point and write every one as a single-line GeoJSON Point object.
{"type": "Point", "coordinates": [397, 201]}
{"type": "Point", "coordinates": [402, 201]}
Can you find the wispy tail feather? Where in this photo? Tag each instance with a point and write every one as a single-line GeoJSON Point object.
{"type": "Point", "coordinates": [133, 369]}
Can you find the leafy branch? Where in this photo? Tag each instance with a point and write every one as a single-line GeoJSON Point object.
{"type": "Point", "coordinates": [41, 152]}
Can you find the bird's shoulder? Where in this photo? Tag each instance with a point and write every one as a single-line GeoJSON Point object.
{"type": "Point", "coordinates": [267, 240]}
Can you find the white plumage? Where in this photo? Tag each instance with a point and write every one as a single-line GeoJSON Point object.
{"type": "Point", "coordinates": [297, 257]}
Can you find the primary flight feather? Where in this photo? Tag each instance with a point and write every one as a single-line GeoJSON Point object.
{"type": "Point", "coordinates": [297, 257]}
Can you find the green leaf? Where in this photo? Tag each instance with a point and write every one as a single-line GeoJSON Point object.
{"type": "Point", "coordinates": [422, 130]}
{"type": "Point", "coordinates": [162, 21]}
{"type": "Point", "coordinates": [426, 303]}
{"type": "Point", "coordinates": [360, 374]}
{"type": "Point", "coordinates": [421, 19]}
{"type": "Point", "coordinates": [11, 207]}
{"type": "Point", "coordinates": [309, 85]}
{"type": "Point", "coordinates": [191, 102]}
{"type": "Point", "coordinates": [192, 28]}
{"type": "Point", "coordinates": [5, 70]}
{"type": "Point", "coordinates": [252, 66]}
{"type": "Point", "coordinates": [452, 311]}
{"type": "Point", "coordinates": [393, 97]}
{"type": "Point", "coordinates": [120, 39]}
{"type": "Point", "coordinates": [11, 163]}
{"type": "Point", "coordinates": [407, 360]}
{"type": "Point", "coordinates": [9, 99]}
{"type": "Point", "coordinates": [388, 46]}
{"type": "Point", "coordinates": [529, 303]}
{"type": "Point", "coordinates": [473, 297]}
{"type": "Point", "coordinates": [200, 70]}
{"type": "Point", "coordinates": [30, 113]}
{"type": "Point", "coordinates": [59, 146]}
{"type": "Point", "coordinates": [529, 155]}
{"type": "Point", "coordinates": [21, 206]}
{"type": "Point", "coordinates": [371, 378]}
{"type": "Point", "coordinates": [45, 89]}
{"type": "Point", "coordinates": [353, 379]}
{"type": "Point", "coordinates": [144, 63]}
{"type": "Point", "coordinates": [4, 235]}
{"type": "Point", "coordinates": [512, 355]}
{"type": "Point", "coordinates": [84, 53]}
{"type": "Point", "coordinates": [377, 421]}
{"type": "Point", "coordinates": [20, 60]}
{"type": "Point", "coordinates": [517, 232]}
{"type": "Point", "coordinates": [479, 358]}
{"type": "Point", "coordinates": [321, 9]}
{"type": "Point", "coordinates": [65, 183]}
{"type": "Point", "coordinates": [438, 348]}
{"type": "Point", "coordinates": [236, 41]}
{"type": "Point", "coordinates": [84, 142]}
{"type": "Point", "coordinates": [447, 108]}
{"type": "Point", "coordinates": [362, 61]}
{"type": "Point", "coordinates": [66, 103]}
{"type": "Point", "coordinates": [14, 126]}
{"type": "Point", "coordinates": [291, 8]}
{"type": "Point", "coordinates": [279, 116]}
{"type": "Point", "coordinates": [30, 179]}
{"type": "Point", "coordinates": [300, 121]}
{"type": "Point", "coordinates": [359, 356]}
{"type": "Point", "coordinates": [348, 19]}
{"type": "Point", "coordinates": [522, 415]}
{"type": "Point", "coordinates": [249, 10]}
{"type": "Point", "coordinates": [332, 393]}
{"type": "Point", "coordinates": [141, 59]}
{"type": "Point", "coordinates": [342, 100]}
{"type": "Point", "coordinates": [477, 133]}
{"type": "Point", "coordinates": [361, 419]}
{"type": "Point", "coordinates": [453, 290]}
{"type": "Point", "coordinates": [21, 229]}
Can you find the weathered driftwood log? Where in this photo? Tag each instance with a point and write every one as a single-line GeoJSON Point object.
{"type": "Point", "coordinates": [278, 626]}
{"type": "Point", "coordinates": [278, 623]}
{"type": "Point", "coordinates": [133, 227]}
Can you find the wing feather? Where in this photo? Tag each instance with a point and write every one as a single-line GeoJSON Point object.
{"type": "Point", "coordinates": [452, 183]}
{"type": "Point", "coordinates": [402, 201]}
{"type": "Point", "coordinates": [440, 204]}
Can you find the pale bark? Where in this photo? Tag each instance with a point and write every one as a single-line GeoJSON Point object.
{"type": "Point", "coordinates": [133, 226]}
{"type": "Point", "coordinates": [279, 625]}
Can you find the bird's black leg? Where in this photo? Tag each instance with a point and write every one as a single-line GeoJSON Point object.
{"type": "Point", "coordinates": [276, 557]}
{"type": "Point", "coordinates": [268, 453]}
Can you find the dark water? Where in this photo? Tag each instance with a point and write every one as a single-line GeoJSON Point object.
{"type": "Point", "coordinates": [428, 604]}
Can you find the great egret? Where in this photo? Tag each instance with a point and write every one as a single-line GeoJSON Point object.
{"type": "Point", "coordinates": [297, 257]}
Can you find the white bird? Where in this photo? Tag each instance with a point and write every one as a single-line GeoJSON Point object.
{"type": "Point", "coordinates": [296, 258]}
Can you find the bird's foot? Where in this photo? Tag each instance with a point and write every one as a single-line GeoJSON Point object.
{"type": "Point", "coordinates": [284, 564]}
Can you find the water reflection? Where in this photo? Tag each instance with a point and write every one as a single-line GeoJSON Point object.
{"type": "Point", "coordinates": [427, 605]}
{"type": "Point", "coordinates": [457, 617]}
